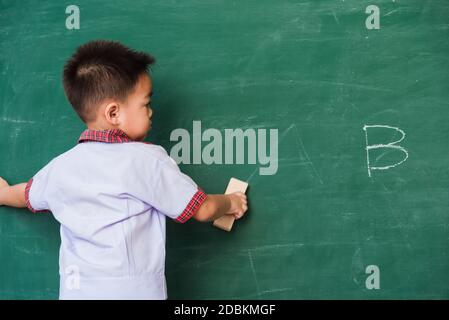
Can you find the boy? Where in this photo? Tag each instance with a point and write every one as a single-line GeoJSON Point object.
{"type": "Point", "coordinates": [112, 192]}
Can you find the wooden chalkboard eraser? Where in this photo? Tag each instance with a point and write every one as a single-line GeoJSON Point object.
{"type": "Point", "coordinates": [225, 222]}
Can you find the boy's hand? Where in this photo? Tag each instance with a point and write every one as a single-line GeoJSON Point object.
{"type": "Point", "coordinates": [13, 196]}
{"type": "Point", "coordinates": [3, 183]}
{"type": "Point", "coordinates": [239, 204]}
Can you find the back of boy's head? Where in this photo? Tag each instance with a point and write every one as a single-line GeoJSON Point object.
{"type": "Point", "coordinates": [100, 70]}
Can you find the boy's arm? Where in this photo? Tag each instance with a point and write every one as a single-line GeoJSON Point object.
{"type": "Point", "coordinates": [217, 205]}
{"type": "Point", "coordinates": [13, 196]}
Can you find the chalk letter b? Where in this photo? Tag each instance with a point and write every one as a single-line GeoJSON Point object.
{"type": "Point", "coordinates": [391, 145]}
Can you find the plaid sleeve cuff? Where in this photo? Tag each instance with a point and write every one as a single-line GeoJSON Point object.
{"type": "Point", "coordinates": [192, 207]}
{"type": "Point", "coordinates": [27, 198]}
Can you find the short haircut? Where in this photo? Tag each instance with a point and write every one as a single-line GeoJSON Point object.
{"type": "Point", "coordinates": [100, 70]}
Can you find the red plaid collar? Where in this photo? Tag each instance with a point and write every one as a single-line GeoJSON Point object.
{"type": "Point", "coordinates": [109, 136]}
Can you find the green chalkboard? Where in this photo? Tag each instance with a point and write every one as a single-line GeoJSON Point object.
{"type": "Point", "coordinates": [313, 71]}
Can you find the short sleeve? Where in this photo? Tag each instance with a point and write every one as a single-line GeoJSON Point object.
{"type": "Point", "coordinates": [35, 191]}
{"type": "Point", "coordinates": [170, 191]}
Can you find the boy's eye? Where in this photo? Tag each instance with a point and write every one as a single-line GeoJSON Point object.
{"type": "Point", "coordinates": [148, 104]}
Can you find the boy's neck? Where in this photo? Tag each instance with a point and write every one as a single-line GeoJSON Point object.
{"type": "Point", "coordinates": [99, 127]}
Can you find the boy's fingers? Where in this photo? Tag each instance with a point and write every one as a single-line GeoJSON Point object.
{"type": "Point", "coordinates": [237, 216]}
{"type": "Point", "coordinates": [241, 212]}
{"type": "Point", "coordinates": [243, 205]}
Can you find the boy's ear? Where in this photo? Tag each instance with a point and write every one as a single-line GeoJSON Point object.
{"type": "Point", "coordinates": [111, 113]}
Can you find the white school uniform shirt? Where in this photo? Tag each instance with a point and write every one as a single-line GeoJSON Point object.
{"type": "Point", "coordinates": [111, 196]}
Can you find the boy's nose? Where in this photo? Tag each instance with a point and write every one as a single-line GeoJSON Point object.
{"type": "Point", "coordinates": [150, 113]}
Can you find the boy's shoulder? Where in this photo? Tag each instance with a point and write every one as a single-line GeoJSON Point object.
{"type": "Point", "coordinates": [148, 152]}
{"type": "Point", "coordinates": [148, 149]}
{"type": "Point", "coordinates": [134, 149]}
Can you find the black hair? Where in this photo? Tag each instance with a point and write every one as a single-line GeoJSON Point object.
{"type": "Point", "coordinates": [99, 70]}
